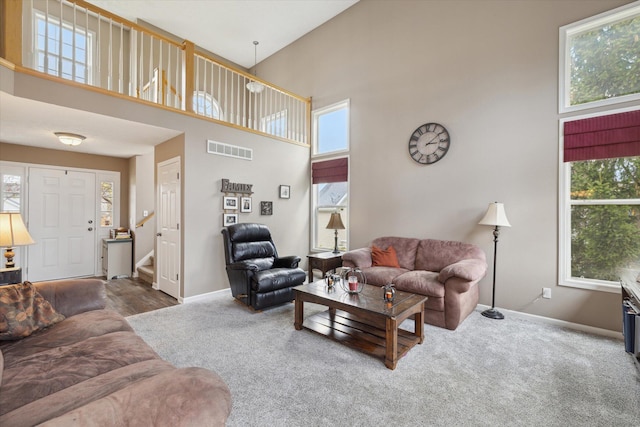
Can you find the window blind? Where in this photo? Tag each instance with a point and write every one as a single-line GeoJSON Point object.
{"type": "Point", "coordinates": [335, 170]}
{"type": "Point", "coordinates": [602, 137]}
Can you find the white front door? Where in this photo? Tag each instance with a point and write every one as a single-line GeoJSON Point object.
{"type": "Point", "coordinates": [62, 222]}
{"type": "Point", "coordinates": [168, 259]}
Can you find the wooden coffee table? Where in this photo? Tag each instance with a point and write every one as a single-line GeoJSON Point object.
{"type": "Point", "coordinates": [363, 321]}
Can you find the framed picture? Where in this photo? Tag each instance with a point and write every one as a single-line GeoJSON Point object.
{"type": "Point", "coordinates": [266, 208]}
{"type": "Point", "coordinates": [229, 219]}
{"type": "Point", "coordinates": [245, 204]}
{"type": "Point", "coordinates": [230, 203]}
{"type": "Point", "coordinates": [285, 191]}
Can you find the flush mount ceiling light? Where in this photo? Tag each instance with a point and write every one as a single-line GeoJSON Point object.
{"type": "Point", "coordinates": [255, 87]}
{"type": "Point", "coordinates": [70, 138]}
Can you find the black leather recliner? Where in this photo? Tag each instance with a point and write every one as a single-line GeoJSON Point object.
{"type": "Point", "coordinates": [258, 277]}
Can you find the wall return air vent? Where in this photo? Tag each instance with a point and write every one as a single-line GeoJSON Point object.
{"type": "Point", "coordinates": [222, 149]}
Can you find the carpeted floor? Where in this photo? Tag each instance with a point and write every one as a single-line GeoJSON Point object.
{"type": "Point", "coordinates": [487, 372]}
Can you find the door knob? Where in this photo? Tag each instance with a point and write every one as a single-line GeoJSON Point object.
{"type": "Point", "coordinates": [159, 234]}
{"type": "Point", "coordinates": [90, 221]}
{"type": "Point", "coordinates": [90, 228]}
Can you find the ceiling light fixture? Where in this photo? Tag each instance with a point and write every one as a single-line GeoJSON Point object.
{"type": "Point", "coordinates": [253, 86]}
{"type": "Point", "coordinates": [70, 138]}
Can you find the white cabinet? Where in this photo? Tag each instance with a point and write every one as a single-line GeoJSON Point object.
{"type": "Point", "coordinates": [116, 258]}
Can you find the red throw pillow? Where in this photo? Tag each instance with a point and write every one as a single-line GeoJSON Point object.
{"type": "Point", "coordinates": [384, 258]}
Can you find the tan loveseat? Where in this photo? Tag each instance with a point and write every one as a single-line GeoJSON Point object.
{"type": "Point", "coordinates": [447, 272]}
{"type": "Point", "coordinates": [92, 369]}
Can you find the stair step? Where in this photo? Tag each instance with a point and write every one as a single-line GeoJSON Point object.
{"type": "Point", "coordinates": [145, 273]}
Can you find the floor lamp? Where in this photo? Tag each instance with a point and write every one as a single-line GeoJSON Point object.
{"type": "Point", "coordinates": [497, 218]}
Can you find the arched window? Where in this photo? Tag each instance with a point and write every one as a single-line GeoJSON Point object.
{"type": "Point", "coordinates": [206, 105]}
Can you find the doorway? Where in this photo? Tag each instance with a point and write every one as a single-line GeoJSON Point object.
{"type": "Point", "coordinates": [62, 221]}
{"type": "Point", "coordinates": [168, 227]}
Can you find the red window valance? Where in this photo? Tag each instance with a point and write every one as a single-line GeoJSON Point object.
{"type": "Point", "coordinates": [602, 137]}
{"type": "Point", "coordinates": [336, 170]}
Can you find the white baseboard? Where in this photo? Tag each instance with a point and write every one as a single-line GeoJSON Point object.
{"type": "Point", "coordinates": [577, 326]}
{"type": "Point", "coordinates": [195, 298]}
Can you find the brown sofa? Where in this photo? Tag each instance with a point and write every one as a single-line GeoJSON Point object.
{"type": "Point", "coordinates": [92, 369]}
{"type": "Point", "coordinates": [447, 272]}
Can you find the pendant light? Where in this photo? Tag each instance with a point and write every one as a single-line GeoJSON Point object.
{"type": "Point", "coordinates": [253, 86]}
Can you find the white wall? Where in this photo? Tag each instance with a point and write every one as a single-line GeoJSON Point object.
{"type": "Point", "coordinates": [143, 198]}
{"type": "Point", "coordinates": [486, 70]}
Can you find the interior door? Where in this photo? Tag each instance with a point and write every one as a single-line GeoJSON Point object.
{"type": "Point", "coordinates": [168, 223]}
{"type": "Point", "coordinates": [62, 222]}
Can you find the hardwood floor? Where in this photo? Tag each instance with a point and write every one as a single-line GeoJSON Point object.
{"type": "Point", "coordinates": [133, 296]}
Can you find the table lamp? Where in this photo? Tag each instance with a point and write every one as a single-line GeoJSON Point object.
{"type": "Point", "coordinates": [12, 233]}
{"type": "Point", "coordinates": [335, 223]}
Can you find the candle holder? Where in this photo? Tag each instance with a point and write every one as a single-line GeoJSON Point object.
{"type": "Point", "coordinates": [389, 292]}
{"type": "Point", "coordinates": [332, 280]}
{"type": "Point", "coordinates": [353, 280]}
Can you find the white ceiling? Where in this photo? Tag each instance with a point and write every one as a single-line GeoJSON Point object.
{"type": "Point", "coordinates": [27, 122]}
{"type": "Point", "coordinates": [224, 27]}
{"type": "Point", "coordinates": [228, 28]}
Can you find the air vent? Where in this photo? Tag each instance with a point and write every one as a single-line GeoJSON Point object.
{"type": "Point", "coordinates": [222, 149]}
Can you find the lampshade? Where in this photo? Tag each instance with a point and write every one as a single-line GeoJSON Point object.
{"type": "Point", "coordinates": [13, 231]}
{"type": "Point", "coordinates": [495, 216]}
{"type": "Point", "coordinates": [335, 222]}
{"type": "Point", "coordinates": [70, 138]}
{"type": "Point", "coordinates": [255, 87]}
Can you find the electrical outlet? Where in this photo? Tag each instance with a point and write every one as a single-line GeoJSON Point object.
{"type": "Point", "coordinates": [546, 293]}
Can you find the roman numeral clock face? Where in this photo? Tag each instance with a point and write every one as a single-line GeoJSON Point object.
{"type": "Point", "coordinates": [429, 143]}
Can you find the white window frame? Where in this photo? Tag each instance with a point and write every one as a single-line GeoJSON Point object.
{"type": "Point", "coordinates": [314, 206]}
{"type": "Point", "coordinates": [315, 116]}
{"type": "Point", "coordinates": [330, 155]}
{"type": "Point", "coordinates": [89, 35]}
{"type": "Point", "coordinates": [564, 78]}
{"type": "Point", "coordinates": [564, 219]}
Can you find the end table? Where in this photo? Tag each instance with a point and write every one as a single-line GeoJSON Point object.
{"type": "Point", "coordinates": [9, 276]}
{"type": "Point", "coordinates": [324, 262]}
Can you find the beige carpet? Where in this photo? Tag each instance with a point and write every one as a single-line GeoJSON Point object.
{"type": "Point", "coordinates": [487, 372]}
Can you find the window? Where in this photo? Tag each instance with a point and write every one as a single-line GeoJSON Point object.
{"type": "Point", "coordinates": [331, 128]}
{"type": "Point", "coordinates": [600, 59]}
{"type": "Point", "coordinates": [206, 105]}
{"type": "Point", "coordinates": [63, 50]}
{"type": "Point", "coordinates": [330, 175]}
{"type": "Point", "coordinates": [11, 192]}
{"type": "Point", "coordinates": [275, 124]}
{"type": "Point", "coordinates": [330, 194]}
{"type": "Point", "coordinates": [106, 203]}
{"type": "Point", "coordinates": [600, 201]}
{"type": "Point", "coordinates": [599, 218]}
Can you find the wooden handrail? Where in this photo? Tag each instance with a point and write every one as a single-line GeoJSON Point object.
{"type": "Point", "coordinates": [144, 220]}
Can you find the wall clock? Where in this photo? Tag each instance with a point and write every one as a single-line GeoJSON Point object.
{"type": "Point", "coordinates": [429, 143]}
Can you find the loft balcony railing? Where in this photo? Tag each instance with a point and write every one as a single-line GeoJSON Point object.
{"type": "Point", "coordinates": [74, 40]}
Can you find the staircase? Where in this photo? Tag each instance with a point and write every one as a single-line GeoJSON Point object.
{"type": "Point", "coordinates": [145, 272]}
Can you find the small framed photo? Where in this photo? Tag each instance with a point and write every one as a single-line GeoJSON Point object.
{"type": "Point", "coordinates": [266, 208]}
{"type": "Point", "coordinates": [230, 203]}
{"type": "Point", "coordinates": [245, 204]}
{"type": "Point", "coordinates": [229, 219]}
{"type": "Point", "coordinates": [285, 191]}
